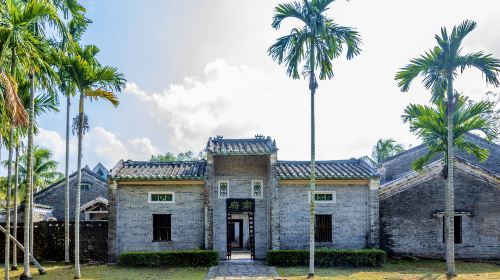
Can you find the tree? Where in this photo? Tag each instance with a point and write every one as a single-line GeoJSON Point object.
{"type": "Point", "coordinates": [386, 148]}
{"type": "Point", "coordinates": [23, 23]}
{"type": "Point", "coordinates": [94, 82]}
{"type": "Point", "coordinates": [494, 97]}
{"type": "Point", "coordinates": [187, 156]}
{"type": "Point", "coordinates": [77, 26]}
{"type": "Point", "coordinates": [44, 169]}
{"type": "Point", "coordinates": [314, 45]}
{"type": "Point", "coordinates": [430, 124]}
{"type": "Point", "coordinates": [439, 68]}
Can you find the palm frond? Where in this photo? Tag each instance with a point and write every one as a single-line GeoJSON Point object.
{"type": "Point", "coordinates": [421, 66]}
{"type": "Point", "coordinates": [287, 10]}
{"type": "Point", "coordinates": [486, 63]}
{"type": "Point", "coordinates": [102, 94]}
{"type": "Point", "coordinates": [12, 100]}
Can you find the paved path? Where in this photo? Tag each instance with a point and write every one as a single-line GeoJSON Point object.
{"type": "Point", "coordinates": [239, 270]}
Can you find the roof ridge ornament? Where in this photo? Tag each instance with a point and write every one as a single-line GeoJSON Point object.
{"type": "Point", "coordinates": [259, 136]}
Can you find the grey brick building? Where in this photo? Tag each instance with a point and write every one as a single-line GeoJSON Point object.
{"type": "Point", "coordinates": [412, 205]}
{"type": "Point", "coordinates": [240, 198]}
{"type": "Point", "coordinates": [93, 186]}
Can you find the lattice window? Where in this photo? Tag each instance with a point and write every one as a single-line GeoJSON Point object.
{"type": "Point", "coordinates": [324, 197]}
{"type": "Point", "coordinates": [161, 197]}
{"type": "Point", "coordinates": [223, 189]}
{"type": "Point", "coordinates": [257, 189]}
{"type": "Point", "coordinates": [323, 228]}
{"type": "Point", "coordinates": [162, 227]}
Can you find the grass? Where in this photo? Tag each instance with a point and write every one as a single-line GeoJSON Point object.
{"type": "Point", "coordinates": [399, 269]}
{"type": "Point", "coordinates": [59, 271]}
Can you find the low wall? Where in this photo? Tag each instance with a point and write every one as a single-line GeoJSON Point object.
{"type": "Point", "coordinates": [49, 241]}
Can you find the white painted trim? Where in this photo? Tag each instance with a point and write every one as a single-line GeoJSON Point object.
{"type": "Point", "coordinates": [334, 197]}
{"type": "Point", "coordinates": [374, 184]}
{"type": "Point", "coordinates": [160, 192]}
{"type": "Point", "coordinates": [261, 190]}
{"type": "Point", "coordinates": [98, 199]}
{"type": "Point", "coordinates": [218, 188]}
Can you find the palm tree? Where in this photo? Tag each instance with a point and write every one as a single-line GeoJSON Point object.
{"type": "Point", "coordinates": [23, 22]}
{"type": "Point", "coordinates": [429, 124]}
{"type": "Point", "coordinates": [314, 45]}
{"type": "Point", "coordinates": [44, 169]}
{"type": "Point", "coordinates": [95, 82]}
{"type": "Point", "coordinates": [77, 26]}
{"type": "Point", "coordinates": [439, 68]}
{"type": "Point", "coordinates": [386, 148]}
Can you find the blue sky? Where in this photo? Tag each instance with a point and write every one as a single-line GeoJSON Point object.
{"type": "Point", "coordinates": [199, 68]}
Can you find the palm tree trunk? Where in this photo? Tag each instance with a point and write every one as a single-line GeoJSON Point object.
{"type": "Point", "coordinates": [27, 202]}
{"type": "Point", "coordinates": [16, 197]}
{"type": "Point", "coordinates": [66, 185]}
{"type": "Point", "coordinates": [449, 190]}
{"type": "Point", "coordinates": [32, 208]}
{"type": "Point", "coordinates": [9, 175]}
{"type": "Point", "coordinates": [312, 87]}
{"type": "Point", "coordinates": [78, 182]}
{"type": "Point", "coordinates": [7, 202]}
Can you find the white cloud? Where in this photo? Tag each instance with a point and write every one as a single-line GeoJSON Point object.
{"type": "Point", "coordinates": [106, 147]}
{"type": "Point", "coordinates": [236, 101]}
{"type": "Point", "coordinates": [99, 145]}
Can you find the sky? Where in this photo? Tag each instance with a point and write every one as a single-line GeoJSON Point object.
{"type": "Point", "coordinates": [197, 69]}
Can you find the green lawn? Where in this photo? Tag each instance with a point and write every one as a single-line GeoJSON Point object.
{"type": "Point", "coordinates": [58, 271]}
{"type": "Point", "coordinates": [392, 270]}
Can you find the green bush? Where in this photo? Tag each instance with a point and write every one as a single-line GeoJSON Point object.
{"type": "Point", "coordinates": [328, 257]}
{"type": "Point", "coordinates": [170, 258]}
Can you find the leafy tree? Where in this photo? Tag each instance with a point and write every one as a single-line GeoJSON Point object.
{"type": "Point", "coordinates": [187, 156]}
{"type": "Point", "coordinates": [429, 124]}
{"type": "Point", "coordinates": [314, 45]}
{"type": "Point", "coordinates": [439, 68]}
{"type": "Point", "coordinates": [386, 148]}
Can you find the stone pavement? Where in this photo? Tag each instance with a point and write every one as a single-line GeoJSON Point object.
{"type": "Point", "coordinates": [242, 270]}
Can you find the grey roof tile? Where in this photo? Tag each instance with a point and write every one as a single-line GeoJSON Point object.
{"type": "Point", "coordinates": [332, 169]}
{"type": "Point", "coordinates": [148, 170]}
{"type": "Point", "coordinates": [259, 145]}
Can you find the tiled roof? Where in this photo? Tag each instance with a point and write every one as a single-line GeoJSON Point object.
{"type": "Point", "coordinates": [148, 170]}
{"type": "Point", "coordinates": [332, 169]}
{"type": "Point", "coordinates": [259, 145]}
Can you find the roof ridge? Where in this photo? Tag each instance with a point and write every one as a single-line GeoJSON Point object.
{"type": "Point", "coordinates": [321, 161]}
{"type": "Point", "coordinates": [163, 162]}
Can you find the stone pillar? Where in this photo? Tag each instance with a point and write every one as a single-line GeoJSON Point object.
{"type": "Point", "coordinates": [374, 239]}
{"type": "Point", "coordinates": [209, 207]}
{"type": "Point", "coordinates": [275, 203]}
{"type": "Point", "coordinates": [112, 222]}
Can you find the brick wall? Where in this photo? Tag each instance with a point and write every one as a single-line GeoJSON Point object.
{"type": "Point", "coordinates": [350, 216]}
{"type": "Point", "coordinates": [408, 226]}
{"type": "Point", "coordinates": [240, 171]}
{"type": "Point", "coordinates": [134, 225]}
{"type": "Point", "coordinates": [49, 241]}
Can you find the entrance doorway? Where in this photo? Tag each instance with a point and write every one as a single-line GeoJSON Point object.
{"type": "Point", "coordinates": [236, 233]}
{"type": "Point", "coordinates": [240, 228]}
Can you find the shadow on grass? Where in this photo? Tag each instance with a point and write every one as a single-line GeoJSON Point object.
{"type": "Point", "coordinates": [112, 272]}
{"type": "Point", "coordinates": [399, 269]}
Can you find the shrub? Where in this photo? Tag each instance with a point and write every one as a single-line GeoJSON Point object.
{"type": "Point", "coordinates": [328, 257]}
{"type": "Point", "coordinates": [170, 258]}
